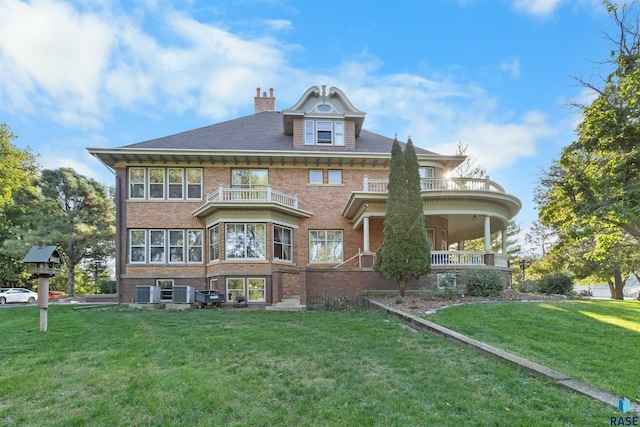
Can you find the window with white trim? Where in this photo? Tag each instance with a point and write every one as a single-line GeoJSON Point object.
{"type": "Point", "coordinates": [214, 243]}
{"type": "Point", "coordinates": [325, 246]}
{"type": "Point", "coordinates": [137, 246]}
{"type": "Point", "coordinates": [315, 176]}
{"type": "Point", "coordinates": [323, 132]}
{"type": "Point", "coordinates": [431, 237]}
{"type": "Point", "coordinates": [176, 246]}
{"type": "Point", "coordinates": [157, 248]}
{"type": "Point", "coordinates": [152, 246]}
{"type": "Point", "coordinates": [137, 177]}
{"type": "Point", "coordinates": [426, 178]}
{"type": "Point", "coordinates": [444, 244]}
{"type": "Point", "coordinates": [245, 241]}
{"type": "Point", "coordinates": [334, 176]}
{"type": "Point", "coordinates": [251, 288]}
{"type": "Point", "coordinates": [282, 243]}
{"type": "Point", "coordinates": [194, 246]}
{"type": "Point", "coordinates": [165, 183]}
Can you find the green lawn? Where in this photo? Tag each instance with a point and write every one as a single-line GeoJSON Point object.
{"type": "Point", "coordinates": [593, 340]}
{"type": "Point", "coordinates": [120, 366]}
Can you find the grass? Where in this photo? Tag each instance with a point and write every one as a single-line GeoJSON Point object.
{"type": "Point", "coordinates": [593, 340]}
{"type": "Point", "coordinates": [119, 366]}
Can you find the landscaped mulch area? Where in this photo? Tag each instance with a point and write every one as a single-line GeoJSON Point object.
{"type": "Point", "coordinates": [418, 305]}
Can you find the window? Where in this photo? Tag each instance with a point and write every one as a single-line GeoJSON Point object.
{"type": "Point", "coordinates": [325, 246]}
{"type": "Point", "coordinates": [136, 183]}
{"type": "Point", "coordinates": [252, 288]}
{"type": "Point", "coordinates": [431, 237]}
{"type": "Point", "coordinates": [157, 246]}
{"type": "Point", "coordinates": [334, 176]}
{"type": "Point", "coordinates": [323, 132]}
{"type": "Point", "coordinates": [214, 243]}
{"type": "Point", "coordinates": [176, 183]}
{"type": "Point", "coordinates": [249, 178]}
{"type": "Point", "coordinates": [282, 246]}
{"type": "Point", "coordinates": [194, 246]}
{"type": "Point", "coordinates": [154, 242]}
{"type": "Point", "coordinates": [315, 176]}
{"type": "Point", "coordinates": [213, 284]}
{"type": "Point", "coordinates": [245, 241]}
{"type": "Point", "coordinates": [156, 183]}
{"type": "Point", "coordinates": [176, 245]}
{"type": "Point", "coordinates": [165, 183]}
{"type": "Point", "coordinates": [426, 178]}
{"type": "Point", "coordinates": [194, 183]}
{"type": "Point", "coordinates": [138, 246]}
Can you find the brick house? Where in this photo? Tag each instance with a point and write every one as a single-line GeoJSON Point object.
{"type": "Point", "coordinates": [283, 205]}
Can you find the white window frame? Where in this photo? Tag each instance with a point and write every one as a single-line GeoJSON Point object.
{"type": "Point", "coordinates": [245, 286]}
{"type": "Point", "coordinates": [214, 243]}
{"type": "Point", "coordinates": [153, 247]}
{"type": "Point", "coordinates": [177, 246]}
{"type": "Point", "coordinates": [166, 288]}
{"type": "Point", "coordinates": [137, 183]}
{"type": "Point", "coordinates": [336, 128]}
{"type": "Point", "coordinates": [143, 245]}
{"type": "Point", "coordinates": [322, 237]}
{"type": "Point", "coordinates": [195, 246]}
{"type": "Point", "coordinates": [260, 244]}
{"type": "Point", "coordinates": [334, 172]}
{"type": "Point", "coordinates": [444, 244]}
{"type": "Point", "coordinates": [192, 185]}
{"type": "Point", "coordinates": [175, 184]}
{"type": "Point", "coordinates": [431, 238]}
{"type": "Point", "coordinates": [313, 173]}
{"type": "Point", "coordinates": [152, 185]}
{"type": "Point", "coordinates": [282, 244]}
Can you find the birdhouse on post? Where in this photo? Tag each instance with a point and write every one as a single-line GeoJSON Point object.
{"type": "Point", "coordinates": [43, 262]}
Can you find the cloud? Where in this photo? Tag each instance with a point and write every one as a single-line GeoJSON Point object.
{"type": "Point", "coordinates": [538, 8]}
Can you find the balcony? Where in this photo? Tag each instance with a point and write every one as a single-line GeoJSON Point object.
{"type": "Point", "coordinates": [251, 198]}
{"type": "Point", "coordinates": [437, 184]}
{"type": "Point", "coordinates": [455, 259]}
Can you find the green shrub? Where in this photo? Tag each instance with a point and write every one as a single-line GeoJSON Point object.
{"type": "Point", "coordinates": [558, 283]}
{"type": "Point", "coordinates": [529, 287]}
{"type": "Point", "coordinates": [483, 283]}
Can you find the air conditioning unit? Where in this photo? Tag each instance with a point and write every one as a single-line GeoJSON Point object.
{"type": "Point", "coordinates": [184, 294]}
{"type": "Point", "coordinates": [148, 294]}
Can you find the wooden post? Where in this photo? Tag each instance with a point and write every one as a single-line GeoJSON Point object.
{"type": "Point", "coordinates": [43, 301]}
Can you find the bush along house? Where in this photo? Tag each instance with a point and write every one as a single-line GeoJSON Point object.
{"type": "Point", "coordinates": [284, 207]}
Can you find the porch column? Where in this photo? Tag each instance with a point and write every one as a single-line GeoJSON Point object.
{"type": "Point", "coordinates": [504, 240]}
{"type": "Point", "coordinates": [365, 230]}
{"type": "Point", "coordinates": [487, 233]}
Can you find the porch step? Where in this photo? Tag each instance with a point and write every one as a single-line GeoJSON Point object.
{"type": "Point", "coordinates": [291, 303]}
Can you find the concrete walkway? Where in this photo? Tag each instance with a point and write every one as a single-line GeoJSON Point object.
{"type": "Point", "coordinates": [559, 377]}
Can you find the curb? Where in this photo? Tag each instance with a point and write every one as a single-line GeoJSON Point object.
{"type": "Point", "coordinates": [559, 377]}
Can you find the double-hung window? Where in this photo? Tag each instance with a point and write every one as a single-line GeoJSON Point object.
{"type": "Point", "coordinates": [282, 243]}
{"type": "Point", "coordinates": [323, 132]}
{"type": "Point", "coordinates": [214, 243]}
{"type": "Point", "coordinates": [137, 246]}
{"type": "Point", "coordinates": [176, 245]}
{"type": "Point", "coordinates": [165, 183]}
{"type": "Point", "coordinates": [245, 241]}
{"type": "Point", "coordinates": [325, 246]}
{"type": "Point", "coordinates": [157, 248]}
{"type": "Point", "coordinates": [194, 246]}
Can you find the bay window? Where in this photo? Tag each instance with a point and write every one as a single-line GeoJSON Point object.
{"type": "Point", "coordinates": [245, 241]}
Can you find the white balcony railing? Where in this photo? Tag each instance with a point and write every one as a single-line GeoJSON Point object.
{"type": "Point", "coordinates": [253, 195]}
{"type": "Point", "coordinates": [433, 184]}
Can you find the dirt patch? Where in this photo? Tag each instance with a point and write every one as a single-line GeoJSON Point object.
{"type": "Point", "coordinates": [419, 305]}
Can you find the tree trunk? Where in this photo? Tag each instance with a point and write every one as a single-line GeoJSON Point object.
{"type": "Point", "coordinates": [638, 280]}
{"type": "Point", "coordinates": [402, 285]}
{"type": "Point", "coordinates": [618, 285]}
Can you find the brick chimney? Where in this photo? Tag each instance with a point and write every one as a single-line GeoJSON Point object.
{"type": "Point", "coordinates": [264, 102]}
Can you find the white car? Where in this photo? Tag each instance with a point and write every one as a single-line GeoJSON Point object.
{"type": "Point", "coordinates": [17, 295]}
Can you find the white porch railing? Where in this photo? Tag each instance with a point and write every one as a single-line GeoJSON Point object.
{"type": "Point", "coordinates": [432, 184]}
{"type": "Point", "coordinates": [451, 258]}
{"type": "Point", "coordinates": [253, 195]}
{"type": "Point", "coordinates": [457, 258]}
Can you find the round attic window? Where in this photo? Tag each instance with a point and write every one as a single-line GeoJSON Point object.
{"type": "Point", "coordinates": [324, 108]}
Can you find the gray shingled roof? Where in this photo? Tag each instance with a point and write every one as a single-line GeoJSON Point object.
{"type": "Point", "coordinates": [259, 132]}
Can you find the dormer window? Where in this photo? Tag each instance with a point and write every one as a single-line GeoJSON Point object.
{"type": "Point", "coordinates": [323, 132]}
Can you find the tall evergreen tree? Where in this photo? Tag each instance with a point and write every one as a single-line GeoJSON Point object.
{"type": "Point", "coordinates": [404, 253]}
